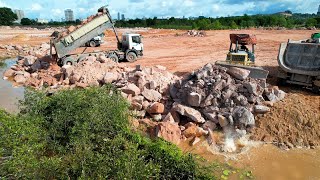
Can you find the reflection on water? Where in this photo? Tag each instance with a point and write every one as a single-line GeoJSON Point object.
{"type": "Point", "coordinates": [9, 95]}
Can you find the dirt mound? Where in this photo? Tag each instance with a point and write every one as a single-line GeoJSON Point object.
{"type": "Point", "coordinates": [21, 37]}
{"type": "Point", "coordinates": [294, 122]}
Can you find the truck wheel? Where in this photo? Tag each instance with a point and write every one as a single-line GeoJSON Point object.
{"type": "Point", "coordinates": [114, 58]}
{"type": "Point", "coordinates": [68, 61]}
{"type": "Point", "coordinates": [131, 57]}
{"type": "Point", "coordinates": [281, 82]}
{"type": "Point", "coordinates": [92, 44]}
{"type": "Point", "coordinates": [316, 89]}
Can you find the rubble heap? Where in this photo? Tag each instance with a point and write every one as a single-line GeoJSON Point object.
{"type": "Point", "coordinates": [211, 98]}
{"type": "Point", "coordinates": [195, 33]}
{"type": "Point", "coordinates": [15, 50]}
{"type": "Point", "coordinates": [214, 97]}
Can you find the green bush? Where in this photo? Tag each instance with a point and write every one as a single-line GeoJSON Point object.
{"type": "Point", "coordinates": [84, 134]}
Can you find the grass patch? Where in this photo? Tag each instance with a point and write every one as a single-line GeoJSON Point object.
{"type": "Point", "coordinates": [85, 134]}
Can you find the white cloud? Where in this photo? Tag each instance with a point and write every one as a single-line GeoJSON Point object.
{"type": "Point", "coordinates": [3, 4]}
{"type": "Point", "coordinates": [35, 7]}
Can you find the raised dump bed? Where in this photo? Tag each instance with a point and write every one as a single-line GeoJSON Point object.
{"type": "Point", "coordinates": [82, 35]}
{"type": "Point", "coordinates": [300, 64]}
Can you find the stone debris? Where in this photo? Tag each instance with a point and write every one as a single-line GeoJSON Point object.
{"type": "Point", "coordinates": [195, 33]}
{"type": "Point", "coordinates": [210, 98]}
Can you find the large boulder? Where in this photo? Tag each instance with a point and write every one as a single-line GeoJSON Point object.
{"type": "Point", "coordinates": [242, 116]}
{"type": "Point", "coordinates": [251, 87]}
{"type": "Point", "coordinates": [20, 79]}
{"type": "Point", "coordinates": [29, 60]}
{"type": "Point", "coordinates": [194, 99]}
{"type": "Point", "coordinates": [9, 73]}
{"type": "Point", "coordinates": [156, 108]}
{"type": "Point", "coordinates": [110, 77]}
{"type": "Point", "coordinates": [192, 130]}
{"type": "Point", "coordinates": [191, 113]}
{"type": "Point", "coordinates": [151, 95]}
{"type": "Point", "coordinates": [238, 73]}
{"type": "Point", "coordinates": [169, 132]}
{"type": "Point", "coordinates": [131, 89]}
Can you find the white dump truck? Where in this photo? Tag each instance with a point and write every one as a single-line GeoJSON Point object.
{"type": "Point", "coordinates": [129, 48]}
{"type": "Point", "coordinates": [299, 63]}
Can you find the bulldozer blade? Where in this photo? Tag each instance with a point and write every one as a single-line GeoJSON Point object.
{"type": "Point", "coordinates": [255, 72]}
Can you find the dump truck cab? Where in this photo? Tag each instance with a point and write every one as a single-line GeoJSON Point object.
{"type": "Point", "coordinates": [132, 43]}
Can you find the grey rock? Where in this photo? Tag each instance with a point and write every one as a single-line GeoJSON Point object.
{"type": "Point", "coordinates": [209, 125]}
{"type": "Point", "coordinates": [238, 73]}
{"type": "Point", "coordinates": [193, 114]}
{"type": "Point", "coordinates": [243, 116]}
{"type": "Point", "coordinates": [110, 77]}
{"type": "Point", "coordinates": [194, 99]}
{"type": "Point", "coordinates": [29, 60]}
{"type": "Point", "coordinates": [151, 95]}
{"type": "Point", "coordinates": [252, 87]}
{"type": "Point", "coordinates": [260, 109]}
{"type": "Point", "coordinates": [131, 89]}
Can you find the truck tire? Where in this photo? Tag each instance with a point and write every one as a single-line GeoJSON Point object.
{"type": "Point", "coordinates": [92, 44]}
{"type": "Point", "coordinates": [68, 61]}
{"type": "Point", "coordinates": [131, 57]}
{"type": "Point", "coordinates": [114, 57]}
{"type": "Point", "coordinates": [316, 89]}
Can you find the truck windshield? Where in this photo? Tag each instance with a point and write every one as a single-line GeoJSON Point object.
{"type": "Point", "coordinates": [136, 39]}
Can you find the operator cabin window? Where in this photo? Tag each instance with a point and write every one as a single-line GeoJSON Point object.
{"type": "Point", "coordinates": [135, 39]}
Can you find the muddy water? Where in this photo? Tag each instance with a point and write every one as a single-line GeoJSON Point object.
{"type": "Point", "coordinates": [9, 94]}
{"type": "Point", "coordinates": [267, 161]}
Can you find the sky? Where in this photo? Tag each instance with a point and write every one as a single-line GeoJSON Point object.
{"type": "Point", "coordinates": [54, 9]}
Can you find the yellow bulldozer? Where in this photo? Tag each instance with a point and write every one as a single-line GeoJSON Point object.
{"type": "Point", "coordinates": [241, 56]}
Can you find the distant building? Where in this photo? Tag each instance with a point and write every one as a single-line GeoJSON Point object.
{"type": "Point", "coordinates": [122, 17]}
{"type": "Point", "coordinates": [43, 21]}
{"type": "Point", "coordinates": [20, 15]}
{"type": "Point", "coordinates": [69, 15]}
{"type": "Point", "coordinates": [118, 16]}
{"type": "Point", "coordinates": [318, 11]}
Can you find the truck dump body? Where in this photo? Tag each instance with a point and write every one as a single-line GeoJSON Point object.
{"type": "Point", "coordinates": [300, 58]}
{"type": "Point", "coordinates": [81, 35]}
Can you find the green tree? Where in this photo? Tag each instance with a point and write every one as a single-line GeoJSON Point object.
{"type": "Point", "coordinates": [282, 21]}
{"type": "Point", "coordinates": [216, 25]}
{"type": "Point", "coordinates": [203, 24]}
{"type": "Point", "coordinates": [311, 22]}
{"type": "Point", "coordinates": [233, 25]}
{"type": "Point", "coordinates": [7, 16]}
{"type": "Point", "coordinates": [26, 21]}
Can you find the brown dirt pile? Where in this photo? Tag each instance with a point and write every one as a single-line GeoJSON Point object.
{"type": "Point", "coordinates": [293, 122]}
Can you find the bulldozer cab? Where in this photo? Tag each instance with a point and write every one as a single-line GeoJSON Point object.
{"type": "Point", "coordinates": [239, 53]}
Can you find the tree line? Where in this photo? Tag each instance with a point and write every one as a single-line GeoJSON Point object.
{"type": "Point", "coordinates": [7, 17]}
{"type": "Point", "coordinates": [245, 21]}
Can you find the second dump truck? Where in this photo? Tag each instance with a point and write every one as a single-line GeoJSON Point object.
{"type": "Point", "coordinates": [299, 63]}
{"type": "Point", "coordinates": [129, 48]}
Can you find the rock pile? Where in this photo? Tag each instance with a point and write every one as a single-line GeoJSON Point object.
{"type": "Point", "coordinates": [15, 50]}
{"type": "Point", "coordinates": [211, 98]}
{"type": "Point", "coordinates": [214, 97]}
{"type": "Point", "coordinates": [195, 33]}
